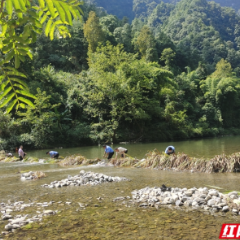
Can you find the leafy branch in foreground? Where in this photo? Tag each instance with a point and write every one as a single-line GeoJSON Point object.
{"type": "Point", "coordinates": [21, 21]}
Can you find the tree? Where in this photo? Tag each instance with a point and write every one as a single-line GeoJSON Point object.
{"type": "Point", "coordinates": [21, 22]}
{"type": "Point", "coordinates": [93, 32]}
{"type": "Point", "coordinates": [122, 90]}
{"type": "Point", "coordinates": [167, 55]}
{"type": "Point", "coordinates": [146, 44]}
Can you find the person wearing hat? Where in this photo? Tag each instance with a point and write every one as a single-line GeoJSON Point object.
{"type": "Point", "coordinates": [108, 152]}
{"type": "Point", "coordinates": [53, 154]}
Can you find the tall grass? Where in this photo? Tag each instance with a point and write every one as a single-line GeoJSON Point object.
{"type": "Point", "coordinates": [124, 162]}
{"type": "Point", "coordinates": [78, 160]}
{"type": "Point", "coordinates": [181, 162]}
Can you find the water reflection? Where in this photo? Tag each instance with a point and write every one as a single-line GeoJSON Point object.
{"type": "Point", "coordinates": [195, 148]}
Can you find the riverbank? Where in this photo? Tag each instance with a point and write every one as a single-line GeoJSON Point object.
{"type": "Point", "coordinates": [154, 159]}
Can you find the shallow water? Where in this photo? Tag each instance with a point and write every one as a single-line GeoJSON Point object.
{"type": "Point", "coordinates": [106, 219]}
{"type": "Point", "coordinates": [195, 148]}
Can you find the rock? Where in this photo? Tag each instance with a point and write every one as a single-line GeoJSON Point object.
{"type": "Point", "coordinates": [6, 217]}
{"type": "Point", "coordinates": [225, 209]}
{"type": "Point", "coordinates": [188, 193]}
{"type": "Point", "coordinates": [211, 202]}
{"type": "Point", "coordinates": [48, 212]}
{"type": "Point", "coordinates": [8, 227]}
{"type": "Point", "coordinates": [179, 203]}
{"type": "Point", "coordinates": [234, 210]}
{"type": "Point", "coordinates": [213, 193]}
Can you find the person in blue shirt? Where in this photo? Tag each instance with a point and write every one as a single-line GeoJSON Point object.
{"type": "Point", "coordinates": [108, 151]}
{"type": "Point", "coordinates": [53, 154]}
{"type": "Point", "coordinates": [170, 150]}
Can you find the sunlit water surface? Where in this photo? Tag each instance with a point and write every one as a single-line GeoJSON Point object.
{"type": "Point", "coordinates": [105, 219]}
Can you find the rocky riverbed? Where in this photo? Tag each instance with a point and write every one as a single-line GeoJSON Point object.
{"type": "Point", "coordinates": [13, 214]}
{"type": "Point", "coordinates": [202, 199]}
{"type": "Point", "coordinates": [84, 178]}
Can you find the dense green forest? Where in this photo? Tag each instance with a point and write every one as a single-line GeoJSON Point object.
{"type": "Point", "coordinates": [137, 8]}
{"type": "Point", "coordinates": [172, 73]}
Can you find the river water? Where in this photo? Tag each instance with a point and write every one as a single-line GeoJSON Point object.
{"type": "Point", "coordinates": [105, 219]}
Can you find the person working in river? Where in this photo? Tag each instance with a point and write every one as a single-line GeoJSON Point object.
{"type": "Point", "coordinates": [121, 151]}
{"type": "Point", "coordinates": [170, 150]}
{"type": "Point", "coordinates": [108, 152]}
{"type": "Point", "coordinates": [21, 153]}
{"type": "Point", "coordinates": [53, 154]}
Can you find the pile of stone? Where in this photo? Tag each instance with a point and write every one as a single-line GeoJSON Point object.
{"type": "Point", "coordinates": [84, 178]}
{"type": "Point", "coordinates": [197, 198]}
{"type": "Point", "coordinates": [17, 221]}
{"type": "Point", "coordinates": [32, 175]}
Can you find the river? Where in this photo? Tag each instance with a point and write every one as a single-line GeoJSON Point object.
{"type": "Point", "coordinates": [105, 219]}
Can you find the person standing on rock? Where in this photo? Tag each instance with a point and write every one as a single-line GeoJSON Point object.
{"type": "Point", "coordinates": [21, 153]}
{"type": "Point", "coordinates": [170, 150]}
{"type": "Point", "coordinates": [53, 154]}
{"type": "Point", "coordinates": [108, 152]}
{"type": "Point", "coordinates": [121, 151]}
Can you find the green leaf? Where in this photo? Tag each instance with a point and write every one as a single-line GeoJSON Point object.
{"type": "Point", "coordinates": [17, 61]}
{"type": "Point", "coordinates": [51, 7]}
{"type": "Point", "coordinates": [6, 91]}
{"type": "Point", "coordinates": [47, 28]}
{"type": "Point", "coordinates": [38, 24]}
{"type": "Point", "coordinates": [22, 51]}
{"type": "Point", "coordinates": [43, 19]}
{"type": "Point", "coordinates": [26, 32]}
{"type": "Point", "coordinates": [27, 101]}
{"type": "Point", "coordinates": [51, 34]}
{"type": "Point", "coordinates": [14, 72]}
{"type": "Point", "coordinates": [29, 53]}
{"type": "Point", "coordinates": [26, 93]}
{"type": "Point", "coordinates": [9, 97]}
{"type": "Point", "coordinates": [7, 48]}
{"type": "Point", "coordinates": [41, 3]}
{"type": "Point", "coordinates": [2, 78]}
{"type": "Point", "coordinates": [60, 10]}
{"type": "Point", "coordinates": [21, 105]}
{"type": "Point", "coordinates": [18, 86]}
{"type": "Point", "coordinates": [22, 5]}
{"type": "Point", "coordinates": [68, 14]}
{"type": "Point", "coordinates": [22, 58]}
{"type": "Point", "coordinates": [11, 105]}
{"type": "Point", "coordinates": [9, 56]}
{"type": "Point", "coordinates": [20, 81]}
{"type": "Point", "coordinates": [9, 7]}
{"type": "Point", "coordinates": [16, 5]}
{"type": "Point", "coordinates": [3, 85]}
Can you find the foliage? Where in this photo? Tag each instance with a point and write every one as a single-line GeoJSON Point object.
{"type": "Point", "coordinates": [93, 32]}
{"type": "Point", "coordinates": [21, 22]}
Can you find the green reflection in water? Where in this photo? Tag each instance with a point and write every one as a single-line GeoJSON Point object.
{"type": "Point", "coordinates": [195, 148]}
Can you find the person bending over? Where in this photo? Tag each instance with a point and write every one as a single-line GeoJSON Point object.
{"type": "Point", "coordinates": [170, 150]}
{"type": "Point", "coordinates": [108, 152]}
{"type": "Point", "coordinates": [121, 151]}
{"type": "Point", "coordinates": [53, 154]}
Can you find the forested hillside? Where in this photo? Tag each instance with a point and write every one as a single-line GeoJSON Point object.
{"type": "Point", "coordinates": [136, 8]}
{"type": "Point", "coordinates": [172, 73]}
